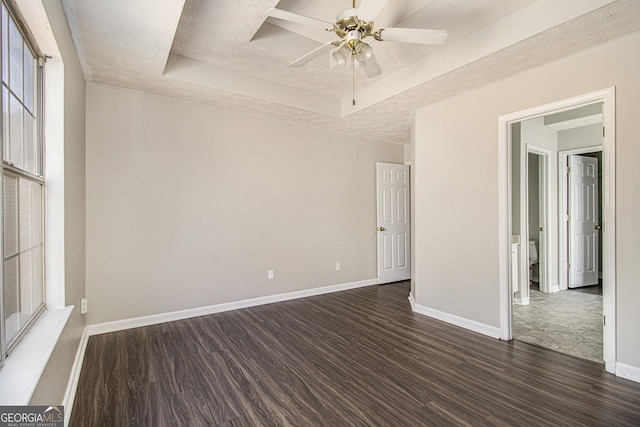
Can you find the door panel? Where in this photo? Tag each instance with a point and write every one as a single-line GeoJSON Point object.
{"type": "Point", "coordinates": [402, 261]}
{"type": "Point", "coordinates": [393, 222]}
{"type": "Point", "coordinates": [584, 227]}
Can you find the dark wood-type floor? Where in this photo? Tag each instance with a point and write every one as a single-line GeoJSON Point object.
{"type": "Point", "coordinates": [358, 357]}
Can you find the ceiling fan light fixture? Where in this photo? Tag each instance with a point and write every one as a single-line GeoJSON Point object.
{"type": "Point", "coordinates": [352, 26]}
{"type": "Point", "coordinates": [363, 52]}
{"type": "Point", "coordinates": [341, 55]}
{"type": "Point", "coordinates": [358, 64]}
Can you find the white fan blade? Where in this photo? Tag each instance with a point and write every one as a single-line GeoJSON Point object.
{"type": "Point", "coordinates": [313, 33]}
{"type": "Point", "coordinates": [372, 68]}
{"type": "Point", "coordinates": [313, 55]}
{"type": "Point", "coordinates": [397, 11]}
{"type": "Point", "coordinates": [413, 35]}
{"type": "Point", "coordinates": [298, 19]}
{"type": "Point", "coordinates": [369, 9]}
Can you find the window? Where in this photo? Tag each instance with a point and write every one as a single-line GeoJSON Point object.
{"type": "Point", "coordinates": [22, 177]}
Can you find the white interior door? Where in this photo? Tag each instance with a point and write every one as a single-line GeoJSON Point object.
{"type": "Point", "coordinates": [393, 222]}
{"type": "Point", "coordinates": [584, 226]}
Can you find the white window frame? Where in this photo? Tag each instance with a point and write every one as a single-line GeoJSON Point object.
{"type": "Point", "coordinates": [38, 178]}
{"type": "Point", "coordinates": [20, 374]}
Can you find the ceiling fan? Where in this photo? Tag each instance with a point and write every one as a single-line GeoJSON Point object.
{"type": "Point", "coordinates": [352, 26]}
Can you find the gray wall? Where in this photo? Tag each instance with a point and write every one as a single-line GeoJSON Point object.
{"type": "Point", "coordinates": [53, 382]}
{"type": "Point", "coordinates": [190, 205]}
{"type": "Point", "coordinates": [516, 145]}
{"type": "Point", "coordinates": [456, 259]}
{"type": "Point", "coordinates": [584, 136]}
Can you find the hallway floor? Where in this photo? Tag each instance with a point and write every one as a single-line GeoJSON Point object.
{"type": "Point", "coordinates": [567, 321]}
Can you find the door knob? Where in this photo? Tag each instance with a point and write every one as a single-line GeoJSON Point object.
{"type": "Point", "coordinates": [597, 227]}
{"type": "Point", "coordinates": [381, 228]}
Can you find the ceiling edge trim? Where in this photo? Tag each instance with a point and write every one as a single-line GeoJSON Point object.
{"type": "Point", "coordinates": [174, 29]}
{"type": "Point", "coordinates": [510, 30]}
{"type": "Point", "coordinates": [202, 74]}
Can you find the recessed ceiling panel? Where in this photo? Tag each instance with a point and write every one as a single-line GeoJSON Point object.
{"type": "Point", "coordinates": [226, 53]}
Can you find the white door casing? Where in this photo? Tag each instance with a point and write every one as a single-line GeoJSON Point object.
{"type": "Point", "coordinates": [608, 98]}
{"type": "Point", "coordinates": [542, 215]}
{"type": "Point", "coordinates": [393, 210]}
{"type": "Point", "coordinates": [584, 226]}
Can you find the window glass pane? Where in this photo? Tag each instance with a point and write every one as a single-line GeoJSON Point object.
{"type": "Point", "coordinates": [15, 59]}
{"type": "Point", "coordinates": [10, 215]}
{"type": "Point", "coordinates": [23, 245]}
{"type": "Point", "coordinates": [37, 235]}
{"type": "Point", "coordinates": [30, 144]}
{"type": "Point", "coordinates": [5, 45]}
{"type": "Point", "coordinates": [26, 310]}
{"type": "Point", "coordinates": [25, 215]}
{"type": "Point", "coordinates": [23, 210]}
{"type": "Point", "coordinates": [30, 194]}
{"type": "Point", "coordinates": [37, 277]}
{"type": "Point", "coordinates": [5, 123]}
{"type": "Point", "coordinates": [29, 79]}
{"type": "Point", "coordinates": [11, 299]}
{"type": "Point", "coordinates": [36, 268]}
{"type": "Point", "coordinates": [16, 129]}
{"type": "Point", "coordinates": [31, 268]}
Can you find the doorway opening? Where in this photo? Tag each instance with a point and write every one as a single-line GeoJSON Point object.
{"type": "Point", "coordinates": [545, 200]}
{"type": "Point", "coordinates": [536, 219]}
{"type": "Point", "coordinates": [531, 216]}
{"type": "Point", "coordinates": [558, 318]}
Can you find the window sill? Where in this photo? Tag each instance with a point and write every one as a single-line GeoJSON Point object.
{"type": "Point", "coordinates": [21, 371]}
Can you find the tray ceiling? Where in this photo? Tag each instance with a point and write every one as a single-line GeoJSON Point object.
{"type": "Point", "coordinates": [228, 54]}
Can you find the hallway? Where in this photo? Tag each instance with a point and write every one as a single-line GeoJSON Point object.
{"type": "Point", "coordinates": [567, 321]}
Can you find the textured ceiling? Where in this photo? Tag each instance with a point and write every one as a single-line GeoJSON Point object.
{"type": "Point", "coordinates": [217, 33]}
{"type": "Point", "coordinates": [223, 53]}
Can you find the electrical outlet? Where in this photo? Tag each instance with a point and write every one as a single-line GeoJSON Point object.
{"type": "Point", "coordinates": [338, 266]}
{"type": "Point", "coordinates": [84, 305]}
{"type": "Point", "coordinates": [270, 274]}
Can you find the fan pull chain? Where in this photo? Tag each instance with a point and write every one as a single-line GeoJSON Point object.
{"type": "Point", "coordinates": [353, 80]}
{"type": "Point", "coordinates": [353, 72]}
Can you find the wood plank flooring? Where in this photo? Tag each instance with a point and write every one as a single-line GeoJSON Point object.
{"type": "Point", "coordinates": [353, 358]}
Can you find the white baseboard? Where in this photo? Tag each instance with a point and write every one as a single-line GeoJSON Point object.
{"type": "Point", "coordinates": [521, 301]}
{"type": "Point", "coordinates": [136, 322]}
{"type": "Point", "coordinates": [629, 372]}
{"type": "Point", "coordinates": [471, 325]}
{"type": "Point", "coordinates": [412, 301]}
{"type": "Point", "coordinates": [74, 377]}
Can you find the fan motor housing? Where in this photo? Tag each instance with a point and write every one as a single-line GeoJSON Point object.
{"type": "Point", "coordinates": [347, 21]}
